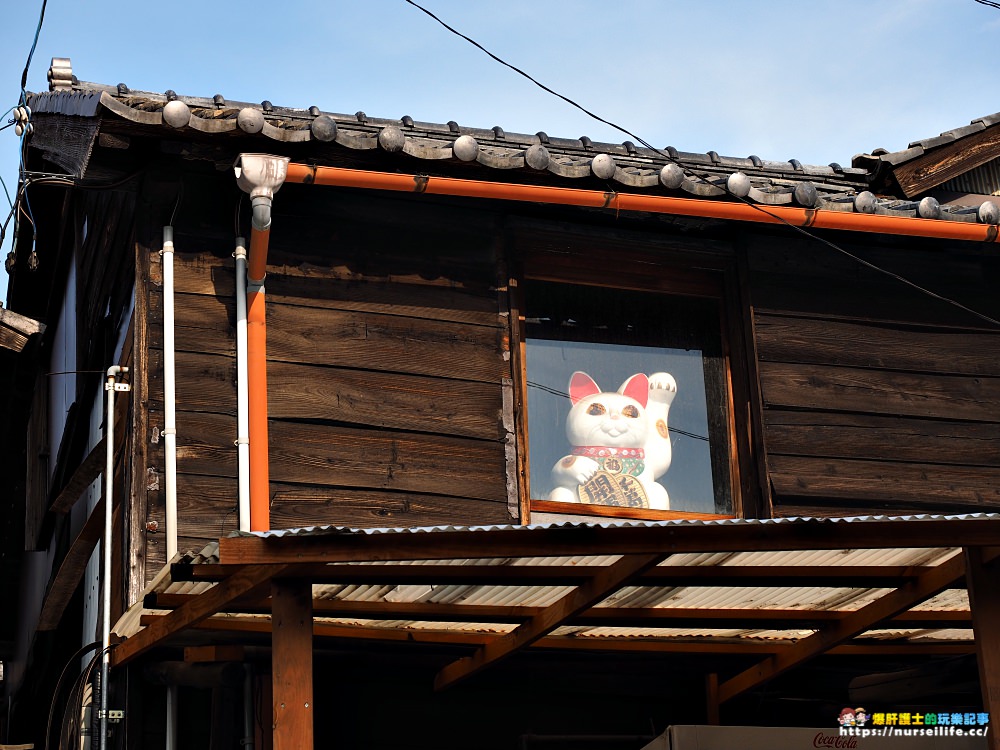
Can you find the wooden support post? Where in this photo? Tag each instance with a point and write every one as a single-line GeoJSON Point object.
{"type": "Point", "coordinates": [291, 664]}
{"type": "Point", "coordinates": [983, 578]}
{"type": "Point", "coordinates": [712, 699]}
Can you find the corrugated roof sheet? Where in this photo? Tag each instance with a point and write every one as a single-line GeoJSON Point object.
{"type": "Point", "coordinates": [793, 520]}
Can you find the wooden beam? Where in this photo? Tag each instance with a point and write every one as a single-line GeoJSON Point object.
{"type": "Point", "coordinates": [15, 329]}
{"type": "Point", "coordinates": [942, 164]}
{"type": "Point", "coordinates": [92, 466]}
{"type": "Point", "coordinates": [292, 665]}
{"type": "Point", "coordinates": [888, 606]}
{"type": "Point", "coordinates": [778, 576]}
{"type": "Point", "coordinates": [611, 511]}
{"type": "Point", "coordinates": [685, 645]}
{"type": "Point", "coordinates": [751, 646]}
{"type": "Point", "coordinates": [89, 469]}
{"type": "Point", "coordinates": [71, 569]}
{"type": "Point", "coordinates": [771, 619]}
{"type": "Point", "coordinates": [667, 538]}
{"type": "Point", "coordinates": [984, 596]}
{"type": "Point", "coordinates": [136, 517]}
{"type": "Point", "coordinates": [205, 605]}
{"type": "Point", "coordinates": [609, 580]}
{"type": "Point", "coordinates": [213, 653]}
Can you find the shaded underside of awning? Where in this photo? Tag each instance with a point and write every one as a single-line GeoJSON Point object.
{"type": "Point", "coordinates": [784, 589]}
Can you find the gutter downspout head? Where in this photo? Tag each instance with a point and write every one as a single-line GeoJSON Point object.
{"type": "Point", "coordinates": [260, 175]}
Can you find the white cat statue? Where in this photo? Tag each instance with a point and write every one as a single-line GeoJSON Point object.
{"type": "Point", "coordinates": [621, 444]}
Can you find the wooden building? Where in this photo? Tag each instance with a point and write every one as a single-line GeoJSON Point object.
{"type": "Point", "coordinates": [831, 345]}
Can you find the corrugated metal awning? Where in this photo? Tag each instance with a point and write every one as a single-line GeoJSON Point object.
{"type": "Point", "coordinates": [793, 588]}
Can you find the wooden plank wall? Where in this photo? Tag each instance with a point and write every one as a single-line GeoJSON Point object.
{"type": "Point", "coordinates": [385, 377]}
{"type": "Point", "coordinates": [876, 397]}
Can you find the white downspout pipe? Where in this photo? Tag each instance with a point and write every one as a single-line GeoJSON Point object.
{"type": "Point", "coordinates": [170, 439]}
{"type": "Point", "coordinates": [110, 386]}
{"type": "Point", "coordinates": [242, 389]}
{"type": "Point", "coordinates": [169, 392]}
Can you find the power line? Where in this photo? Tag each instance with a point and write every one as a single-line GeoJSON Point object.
{"type": "Point", "coordinates": [705, 177]}
{"type": "Point", "coordinates": [989, 4]}
{"type": "Point", "coordinates": [31, 53]}
{"type": "Point", "coordinates": [562, 394]}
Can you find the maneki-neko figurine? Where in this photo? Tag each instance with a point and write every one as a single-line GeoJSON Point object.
{"type": "Point", "coordinates": [620, 443]}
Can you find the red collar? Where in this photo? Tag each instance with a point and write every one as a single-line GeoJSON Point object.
{"type": "Point", "coordinates": [600, 451]}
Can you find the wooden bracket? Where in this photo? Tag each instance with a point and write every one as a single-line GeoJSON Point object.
{"type": "Point", "coordinates": [606, 582]}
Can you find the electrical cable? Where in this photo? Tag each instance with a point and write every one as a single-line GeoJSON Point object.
{"type": "Point", "coordinates": [62, 675]}
{"type": "Point", "coordinates": [69, 731]}
{"type": "Point", "coordinates": [704, 177]}
{"type": "Point", "coordinates": [23, 100]}
{"type": "Point", "coordinates": [70, 182]}
{"type": "Point", "coordinates": [31, 53]}
{"type": "Point", "coordinates": [24, 193]}
{"type": "Point", "coordinates": [177, 203]}
{"type": "Point", "coordinates": [72, 732]}
{"type": "Point", "coordinates": [562, 394]}
{"type": "Point", "coordinates": [989, 4]}
{"type": "Point", "coordinates": [239, 208]}
{"type": "Point", "coordinates": [6, 192]}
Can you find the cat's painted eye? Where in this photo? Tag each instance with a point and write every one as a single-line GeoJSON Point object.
{"type": "Point", "coordinates": [596, 409]}
{"type": "Point", "coordinates": [630, 411]}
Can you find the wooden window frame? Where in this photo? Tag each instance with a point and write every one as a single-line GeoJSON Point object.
{"type": "Point", "coordinates": [585, 263]}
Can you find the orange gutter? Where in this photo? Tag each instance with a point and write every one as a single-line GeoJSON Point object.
{"type": "Point", "coordinates": [801, 217]}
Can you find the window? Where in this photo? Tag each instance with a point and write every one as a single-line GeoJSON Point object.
{"type": "Point", "coordinates": [627, 399]}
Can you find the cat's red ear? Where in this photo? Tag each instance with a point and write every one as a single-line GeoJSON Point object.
{"type": "Point", "coordinates": [581, 385]}
{"type": "Point", "coordinates": [636, 387]}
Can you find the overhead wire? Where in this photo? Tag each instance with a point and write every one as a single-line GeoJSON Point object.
{"type": "Point", "coordinates": [31, 53]}
{"type": "Point", "coordinates": [562, 394]}
{"type": "Point", "coordinates": [705, 177]}
{"type": "Point", "coordinates": [6, 192]}
{"type": "Point", "coordinates": [22, 101]}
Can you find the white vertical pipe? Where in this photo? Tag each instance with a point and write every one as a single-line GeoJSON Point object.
{"type": "Point", "coordinates": [248, 708]}
{"type": "Point", "coordinates": [109, 475]}
{"type": "Point", "coordinates": [170, 439]}
{"type": "Point", "coordinates": [171, 737]}
{"type": "Point", "coordinates": [169, 392]}
{"type": "Point", "coordinates": [242, 389]}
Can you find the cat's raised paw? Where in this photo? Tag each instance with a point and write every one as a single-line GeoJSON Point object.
{"type": "Point", "coordinates": [662, 387]}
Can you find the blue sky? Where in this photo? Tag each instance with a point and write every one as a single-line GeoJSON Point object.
{"type": "Point", "coordinates": [815, 81]}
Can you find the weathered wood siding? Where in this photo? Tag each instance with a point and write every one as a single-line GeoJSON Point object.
{"type": "Point", "coordinates": [876, 397]}
{"type": "Point", "coordinates": [386, 368]}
